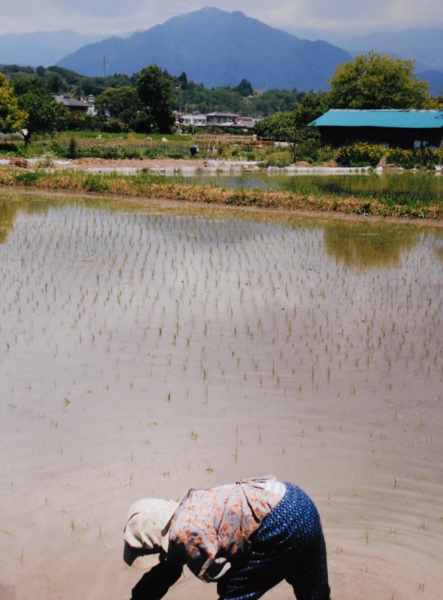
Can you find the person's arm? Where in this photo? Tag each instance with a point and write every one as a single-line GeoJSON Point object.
{"type": "Point", "coordinates": [155, 583]}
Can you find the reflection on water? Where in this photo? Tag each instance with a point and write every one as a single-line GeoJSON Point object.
{"type": "Point", "coordinates": [369, 244]}
{"type": "Point", "coordinates": [144, 353]}
{"type": "Point", "coordinates": [8, 212]}
{"type": "Point", "coordinates": [439, 249]}
{"type": "Point", "coordinates": [250, 181]}
{"type": "Point", "coordinates": [402, 188]}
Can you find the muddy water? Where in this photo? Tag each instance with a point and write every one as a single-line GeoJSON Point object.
{"type": "Point", "coordinates": [142, 354]}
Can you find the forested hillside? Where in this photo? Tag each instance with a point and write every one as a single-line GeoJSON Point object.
{"type": "Point", "coordinates": [188, 95]}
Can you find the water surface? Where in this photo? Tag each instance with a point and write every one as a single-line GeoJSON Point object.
{"type": "Point", "coordinates": [143, 353]}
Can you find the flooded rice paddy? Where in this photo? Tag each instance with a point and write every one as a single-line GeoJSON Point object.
{"type": "Point", "coordinates": [142, 353]}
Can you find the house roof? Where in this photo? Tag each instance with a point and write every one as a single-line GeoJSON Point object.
{"type": "Point", "coordinates": [404, 119]}
{"type": "Point", "coordinates": [221, 114]}
{"type": "Point", "coordinates": [70, 102]}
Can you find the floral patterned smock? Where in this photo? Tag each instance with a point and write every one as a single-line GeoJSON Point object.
{"type": "Point", "coordinates": [210, 529]}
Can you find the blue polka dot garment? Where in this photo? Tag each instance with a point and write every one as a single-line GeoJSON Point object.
{"type": "Point", "coordinates": [288, 546]}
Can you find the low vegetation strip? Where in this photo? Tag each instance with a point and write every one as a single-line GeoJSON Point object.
{"type": "Point", "coordinates": [350, 195]}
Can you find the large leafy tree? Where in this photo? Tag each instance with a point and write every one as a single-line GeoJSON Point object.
{"type": "Point", "coordinates": [45, 115]}
{"type": "Point", "coordinates": [287, 127]}
{"type": "Point", "coordinates": [12, 118]}
{"type": "Point", "coordinates": [156, 94]}
{"type": "Point", "coordinates": [376, 81]}
{"type": "Point", "coordinates": [280, 126]}
{"type": "Point", "coordinates": [121, 103]}
{"type": "Point", "coordinates": [312, 106]}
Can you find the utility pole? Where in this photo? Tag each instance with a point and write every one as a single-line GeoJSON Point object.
{"type": "Point", "coordinates": [179, 88]}
{"type": "Point", "coordinates": [104, 66]}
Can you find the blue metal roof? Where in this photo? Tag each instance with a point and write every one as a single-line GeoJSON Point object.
{"type": "Point", "coordinates": [405, 119]}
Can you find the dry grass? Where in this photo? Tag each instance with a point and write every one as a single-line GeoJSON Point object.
{"type": "Point", "coordinates": [150, 186]}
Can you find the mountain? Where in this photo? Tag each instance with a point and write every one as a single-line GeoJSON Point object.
{"type": "Point", "coordinates": [435, 80]}
{"type": "Point", "coordinates": [217, 48]}
{"type": "Point", "coordinates": [42, 47]}
{"type": "Point", "coordinates": [424, 45]}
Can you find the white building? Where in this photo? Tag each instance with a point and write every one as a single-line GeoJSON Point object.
{"type": "Point", "coordinates": [191, 119]}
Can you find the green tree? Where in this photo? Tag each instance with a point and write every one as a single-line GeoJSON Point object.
{"type": "Point", "coordinates": [304, 141]}
{"type": "Point", "coordinates": [156, 94]}
{"type": "Point", "coordinates": [280, 126]}
{"type": "Point", "coordinates": [376, 81]}
{"type": "Point", "coordinates": [45, 115]}
{"type": "Point", "coordinates": [122, 104]}
{"type": "Point", "coordinates": [183, 79]}
{"type": "Point", "coordinates": [312, 106]}
{"type": "Point", "coordinates": [274, 100]}
{"type": "Point", "coordinates": [12, 118]}
{"type": "Point", "coordinates": [244, 88]}
{"type": "Point", "coordinates": [55, 84]}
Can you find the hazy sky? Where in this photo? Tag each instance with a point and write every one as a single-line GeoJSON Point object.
{"type": "Point", "coordinates": [113, 16]}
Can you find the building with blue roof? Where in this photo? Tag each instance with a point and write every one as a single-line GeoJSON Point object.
{"type": "Point", "coordinates": [392, 128]}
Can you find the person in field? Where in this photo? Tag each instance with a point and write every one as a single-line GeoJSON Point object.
{"type": "Point", "coordinates": [246, 537]}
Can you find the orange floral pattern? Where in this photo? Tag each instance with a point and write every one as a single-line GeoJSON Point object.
{"type": "Point", "coordinates": [213, 526]}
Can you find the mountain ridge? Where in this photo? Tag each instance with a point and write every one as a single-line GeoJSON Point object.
{"type": "Point", "coordinates": [424, 45]}
{"type": "Point", "coordinates": [216, 48]}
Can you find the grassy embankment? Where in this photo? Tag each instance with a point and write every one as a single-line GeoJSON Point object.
{"type": "Point", "coordinates": [82, 144]}
{"type": "Point", "coordinates": [92, 144]}
{"type": "Point", "coordinates": [407, 195]}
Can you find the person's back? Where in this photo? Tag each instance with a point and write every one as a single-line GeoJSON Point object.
{"type": "Point", "coordinates": [246, 537]}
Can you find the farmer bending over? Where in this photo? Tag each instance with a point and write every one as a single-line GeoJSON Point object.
{"type": "Point", "coordinates": [246, 537]}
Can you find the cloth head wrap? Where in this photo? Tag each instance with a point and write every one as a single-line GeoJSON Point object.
{"type": "Point", "coordinates": [147, 532]}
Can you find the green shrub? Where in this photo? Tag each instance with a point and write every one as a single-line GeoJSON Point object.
{"type": "Point", "coordinates": [421, 158]}
{"type": "Point", "coordinates": [364, 154]}
{"type": "Point", "coordinates": [277, 158]}
{"type": "Point", "coordinates": [112, 126]}
{"type": "Point", "coordinates": [6, 148]}
{"type": "Point", "coordinates": [26, 178]}
{"type": "Point", "coordinates": [72, 148]}
{"type": "Point", "coordinates": [360, 155]}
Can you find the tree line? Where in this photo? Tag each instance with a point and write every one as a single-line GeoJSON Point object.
{"type": "Point", "coordinates": [370, 81]}
{"type": "Point", "coordinates": [186, 95]}
{"type": "Point", "coordinates": [145, 102]}
{"type": "Point", "coordinates": [28, 105]}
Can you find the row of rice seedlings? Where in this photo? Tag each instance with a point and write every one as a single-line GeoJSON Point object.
{"type": "Point", "coordinates": [221, 317]}
{"type": "Point", "coordinates": [254, 294]}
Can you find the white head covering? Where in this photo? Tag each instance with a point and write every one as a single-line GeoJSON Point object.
{"type": "Point", "coordinates": [147, 532]}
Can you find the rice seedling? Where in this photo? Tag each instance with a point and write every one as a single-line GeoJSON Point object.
{"type": "Point", "coordinates": [326, 318]}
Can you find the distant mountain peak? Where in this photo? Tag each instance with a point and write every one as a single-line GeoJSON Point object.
{"type": "Point", "coordinates": [216, 47]}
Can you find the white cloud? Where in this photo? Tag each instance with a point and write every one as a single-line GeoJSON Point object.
{"type": "Point", "coordinates": [102, 16]}
{"type": "Point", "coordinates": [416, 13]}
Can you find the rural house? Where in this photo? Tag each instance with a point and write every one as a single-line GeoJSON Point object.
{"type": "Point", "coordinates": [193, 119]}
{"type": "Point", "coordinates": [392, 128]}
{"type": "Point", "coordinates": [221, 119]}
{"type": "Point", "coordinates": [72, 104]}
